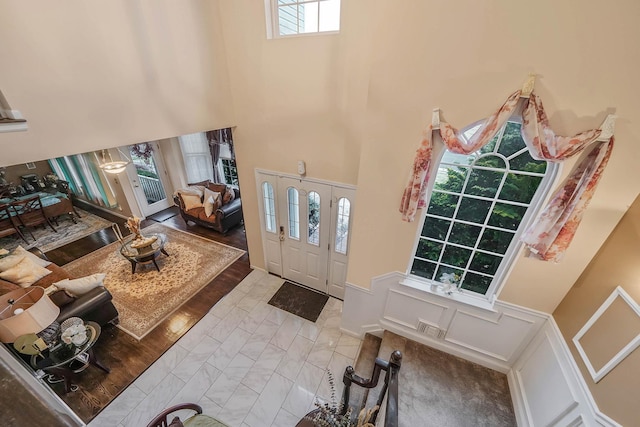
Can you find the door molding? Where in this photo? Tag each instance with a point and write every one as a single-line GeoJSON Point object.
{"type": "Point", "coordinates": [272, 242]}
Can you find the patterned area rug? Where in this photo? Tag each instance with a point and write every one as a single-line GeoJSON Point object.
{"type": "Point", "coordinates": [146, 298]}
{"type": "Point", "coordinates": [47, 239]}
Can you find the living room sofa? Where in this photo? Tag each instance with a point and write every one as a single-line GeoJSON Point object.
{"type": "Point", "coordinates": [225, 215]}
{"type": "Point", "coordinates": [96, 305]}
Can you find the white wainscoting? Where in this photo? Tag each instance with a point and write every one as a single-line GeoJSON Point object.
{"type": "Point", "coordinates": [546, 385]}
{"type": "Point", "coordinates": [547, 388]}
{"type": "Point", "coordinates": [493, 338]}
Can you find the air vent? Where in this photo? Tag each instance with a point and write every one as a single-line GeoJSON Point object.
{"type": "Point", "coordinates": [429, 330]}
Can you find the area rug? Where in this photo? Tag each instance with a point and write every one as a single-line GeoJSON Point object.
{"type": "Point", "coordinates": [146, 298]}
{"type": "Point", "coordinates": [67, 232]}
{"type": "Point", "coordinates": [299, 300]}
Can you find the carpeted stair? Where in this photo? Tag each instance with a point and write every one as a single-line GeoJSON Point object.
{"type": "Point", "coordinates": [436, 388]}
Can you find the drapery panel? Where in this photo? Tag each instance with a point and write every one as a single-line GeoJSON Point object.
{"type": "Point", "coordinates": [550, 234]}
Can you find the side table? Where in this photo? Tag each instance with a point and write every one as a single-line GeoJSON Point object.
{"type": "Point", "coordinates": [66, 361]}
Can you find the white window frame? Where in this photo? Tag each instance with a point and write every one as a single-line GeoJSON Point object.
{"type": "Point", "coordinates": [273, 23]}
{"type": "Point", "coordinates": [510, 256]}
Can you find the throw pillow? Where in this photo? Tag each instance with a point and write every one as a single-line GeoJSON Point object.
{"type": "Point", "coordinates": [215, 204]}
{"type": "Point", "coordinates": [10, 261]}
{"type": "Point", "coordinates": [191, 201]}
{"type": "Point", "coordinates": [17, 255]}
{"type": "Point", "coordinates": [229, 195]}
{"type": "Point", "coordinates": [35, 258]}
{"type": "Point", "coordinates": [176, 423]}
{"type": "Point", "coordinates": [25, 273]}
{"type": "Point", "coordinates": [194, 190]}
{"type": "Point", "coordinates": [82, 285]}
{"type": "Point", "coordinates": [208, 206]}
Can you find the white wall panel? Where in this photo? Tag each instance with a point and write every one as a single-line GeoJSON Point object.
{"type": "Point", "coordinates": [407, 310]}
{"type": "Point", "coordinates": [499, 338]}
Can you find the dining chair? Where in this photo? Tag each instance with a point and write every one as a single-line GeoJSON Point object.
{"type": "Point", "coordinates": [8, 224]}
{"type": "Point", "coordinates": [30, 213]}
{"type": "Point", "coordinates": [196, 420]}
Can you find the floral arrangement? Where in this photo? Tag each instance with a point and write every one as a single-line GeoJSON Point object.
{"type": "Point", "coordinates": [75, 334]}
{"type": "Point", "coordinates": [329, 415]}
{"type": "Point", "coordinates": [133, 224]}
{"type": "Point", "coordinates": [450, 282]}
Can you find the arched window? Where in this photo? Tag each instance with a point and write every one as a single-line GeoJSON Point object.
{"type": "Point", "coordinates": [342, 225]}
{"type": "Point", "coordinates": [294, 213]}
{"type": "Point", "coordinates": [478, 206]}
{"type": "Point", "coordinates": [269, 207]}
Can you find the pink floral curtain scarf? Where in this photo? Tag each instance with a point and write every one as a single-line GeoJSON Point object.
{"type": "Point", "coordinates": [542, 142]}
{"type": "Point", "coordinates": [551, 233]}
{"type": "Point", "coordinates": [414, 194]}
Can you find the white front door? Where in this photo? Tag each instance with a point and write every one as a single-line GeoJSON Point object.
{"type": "Point", "coordinates": [305, 215]}
{"type": "Point", "coordinates": [149, 178]}
{"type": "Point", "coordinates": [305, 230]}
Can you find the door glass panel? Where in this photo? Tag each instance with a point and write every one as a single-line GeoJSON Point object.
{"type": "Point", "coordinates": [142, 158]}
{"type": "Point", "coordinates": [294, 213]}
{"type": "Point", "coordinates": [269, 207]}
{"type": "Point", "coordinates": [313, 236]}
{"type": "Point", "coordinates": [342, 225]}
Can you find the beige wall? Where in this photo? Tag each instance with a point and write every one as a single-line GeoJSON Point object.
{"type": "Point", "coordinates": [616, 264]}
{"type": "Point", "coordinates": [110, 73]}
{"type": "Point", "coordinates": [298, 98]}
{"type": "Point", "coordinates": [353, 106]}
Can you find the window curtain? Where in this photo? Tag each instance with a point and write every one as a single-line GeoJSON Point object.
{"type": "Point", "coordinates": [196, 156]}
{"type": "Point", "coordinates": [216, 138]}
{"type": "Point", "coordinates": [551, 233]}
{"type": "Point", "coordinates": [83, 176]}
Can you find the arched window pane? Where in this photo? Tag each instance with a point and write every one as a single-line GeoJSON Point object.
{"type": "Point", "coordinates": [269, 207]}
{"type": "Point", "coordinates": [294, 213]}
{"type": "Point", "coordinates": [342, 225]}
{"type": "Point", "coordinates": [477, 205]}
{"type": "Point", "coordinates": [313, 236]}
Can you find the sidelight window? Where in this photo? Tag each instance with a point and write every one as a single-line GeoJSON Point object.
{"type": "Point", "coordinates": [342, 225]}
{"type": "Point", "coordinates": [269, 207]}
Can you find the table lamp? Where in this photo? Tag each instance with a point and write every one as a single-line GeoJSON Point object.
{"type": "Point", "coordinates": [25, 311]}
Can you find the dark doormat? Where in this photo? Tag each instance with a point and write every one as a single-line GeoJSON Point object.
{"type": "Point", "coordinates": [165, 214]}
{"type": "Point", "coordinates": [300, 301]}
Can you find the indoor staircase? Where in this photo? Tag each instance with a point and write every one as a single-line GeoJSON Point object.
{"type": "Point", "coordinates": [434, 388]}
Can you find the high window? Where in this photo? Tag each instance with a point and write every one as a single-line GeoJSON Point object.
{"type": "Point", "coordinates": [478, 206]}
{"type": "Point", "coordinates": [291, 17]}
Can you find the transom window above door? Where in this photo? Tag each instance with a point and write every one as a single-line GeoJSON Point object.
{"type": "Point", "coordinates": [292, 17]}
{"type": "Point", "coordinates": [477, 209]}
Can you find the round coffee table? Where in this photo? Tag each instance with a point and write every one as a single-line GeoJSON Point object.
{"type": "Point", "coordinates": [147, 254]}
{"type": "Point", "coordinates": [65, 361]}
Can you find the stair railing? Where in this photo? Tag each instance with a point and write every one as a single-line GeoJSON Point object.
{"type": "Point", "coordinates": [392, 368]}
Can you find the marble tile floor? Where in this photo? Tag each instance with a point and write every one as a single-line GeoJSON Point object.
{"type": "Point", "coordinates": [246, 363]}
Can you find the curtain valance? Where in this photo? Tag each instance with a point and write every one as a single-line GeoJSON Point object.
{"type": "Point", "coordinates": [550, 234]}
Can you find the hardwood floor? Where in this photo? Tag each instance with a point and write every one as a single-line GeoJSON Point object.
{"type": "Point", "coordinates": [125, 356]}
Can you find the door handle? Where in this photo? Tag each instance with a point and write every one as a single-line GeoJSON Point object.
{"type": "Point", "coordinates": [281, 233]}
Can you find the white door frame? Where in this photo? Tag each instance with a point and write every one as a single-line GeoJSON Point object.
{"type": "Point", "coordinates": [272, 260]}
{"type": "Point", "coordinates": [138, 195]}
